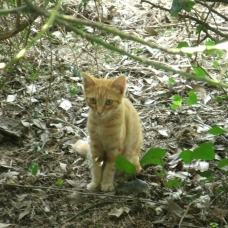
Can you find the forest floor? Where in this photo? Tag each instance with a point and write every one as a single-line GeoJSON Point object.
{"type": "Point", "coordinates": [43, 112]}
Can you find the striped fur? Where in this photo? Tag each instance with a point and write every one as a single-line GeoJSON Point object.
{"type": "Point", "coordinates": [114, 128]}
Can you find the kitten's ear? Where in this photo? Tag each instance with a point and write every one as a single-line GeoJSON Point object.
{"type": "Point", "coordinates": [87, 80]}
{"type": "Point", "coordinates": [120, 84]}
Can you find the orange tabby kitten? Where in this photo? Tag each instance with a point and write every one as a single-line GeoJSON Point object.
{"type": "Point", "coordinates": [114, 129]}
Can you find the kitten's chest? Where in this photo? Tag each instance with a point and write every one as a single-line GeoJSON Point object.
{"type": "Point", "coordinates": [105, 130]}
{"type": "Point", "coordinates": [99, 129]}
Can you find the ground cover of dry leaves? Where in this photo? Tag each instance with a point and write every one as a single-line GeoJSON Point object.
{"type": "Point", "coordinates": [39, 119]}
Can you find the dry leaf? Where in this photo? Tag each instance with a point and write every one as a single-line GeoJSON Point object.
{"type": "Point", "coordinates": [11, 98]}
{"type": "Point", "coordinates": [175, 210]}
{"type": "Point", "coordinates": [26, 211]}
{"type": "Point", "coordinates": [46, 207]}
{"type": "Point", "coordinates": [76, 198]}
{"type": "Point", "coordinates": [65, 104]}
{"type": "Point", "coordinates": [2, 225]}
{"type": "Point", "coordinates": [117, 212]}
{"type": "Point", "coordinates": [31, 89]}
{"type": "Point", "coordinates": [163, 132]}
{"type": "Point", "coordinates": [63, 166]}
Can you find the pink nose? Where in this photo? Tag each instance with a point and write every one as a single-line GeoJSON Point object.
{"type": "Point", "coordinates": [99, 113]}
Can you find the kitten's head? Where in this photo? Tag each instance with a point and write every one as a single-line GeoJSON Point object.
{"type": "Point", "coordinates": [103, 96]}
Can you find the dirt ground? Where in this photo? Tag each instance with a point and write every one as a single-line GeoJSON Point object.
{"type": "Point", "coordinates": [43, 112]}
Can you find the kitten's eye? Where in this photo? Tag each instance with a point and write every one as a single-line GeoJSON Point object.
{"type": "Point", "coordinates": [109, 102]}
{"type": "Point", "coordinates": [93, 100]}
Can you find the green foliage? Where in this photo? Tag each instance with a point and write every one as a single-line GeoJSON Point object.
{"type": "Point", "coordinates": [206, 174]}
{"type": "Point", "coordinates": [211, 52]}
{"type": "Point", "coordinates": [186, 156]}
{"type": "Point", "coordinates": [199, 71]}
{"type": "Point", "coordinates": [59, 182]}
{"type": "Point", "coordinates": [210, 43]}
{"type": "Point", "coordinates": [204, 151]}
{"type": "Point", "coordinates": [173, 183]}
{"type": "Point", "coordinates": [83, 3]}
{"type": "Point", "coordinates": [179, 5]}
{"type": "Point", "coordinates": [219, 99]}
{"type": "Point", "coordinates": [217, 131]}
{"type": "Point", "coordinates": [139, 50]}
{"type": "Point", "coordinates": [33, 169]}
{"type": "Point", "coordinates": [177, 102]}
{"type": "Point", "coordinates": [73, 91]}
{"type": "Point", "coordinates": [215, 63]}
{"type": "Point", "coordinates": [200, 28]}
{"type": "Point", "coordinates": [219, 53]}
{"type": "Point", "coordinates": [34, 76]}
{"type": "Point", "coordinates": [153, 156]}
{"type": "Point", "coordinates": [192, 99]}
{"type": "Point", "coordinates": [161, 173]}
{"type": "Point", "coordinates": [182, 44]}
{"type": "Point", "coordinates": [214, 225]}
{"type": "Point", "coordinates": [222, 163]}
{"type": "Point", "coordinates": [172, 81]}
{"type": "Point", "coordinates": [123, 164]}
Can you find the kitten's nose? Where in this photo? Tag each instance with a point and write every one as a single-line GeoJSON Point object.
{"type": "Point", "coordinates": [99, 113]}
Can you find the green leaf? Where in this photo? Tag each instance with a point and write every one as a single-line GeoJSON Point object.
{"type": "Point", "coordinates": [210, 43]}
{"type": "Point", "coordinates": [173, 183]}
{"type": "Point", "coordinates": [123, 164]}
{"type": "Point", "coordinates": [59, 182]}
{"type": "Point", "coordinates": [188, 197]}
{"type": "Point", "coordinates": [172, 81]}
{"type": "Point", "coordinates": [199, 71]}
{"type": "Point", "coordinates": [219, 53]}
{"type": "Point", "coordinates": [34, 76]}
{"type": "Point", "coordinates": [161, 173]}
{"type": "Point", "coordinates": [215, 63]}
{"type": "Point", "coordinates": [222, 163]}
{"type": "Point", "coordinates": [186, 155]}
{"type": "Point", "coordinates": [177, 101]}
{"type": "Point", "coordinates": [204, 151]}
{"type": "Point", "coordinates": [33, 169]}
{"type": "Point", "coordinates": [178, 5]}
{"type": "Point", "coordinates": [153, 156]}
{"type": "Point", "coordinates": [207, 173]}
{"type": "Point", "coordinates": [73, 91]}
{"type": "Point", "coordinates": [182, 44]}
{"type": "Point", "coordinates": [192, 99]}
{"type": "Point", "coordinates": [83, 3]}
{"type": "Point", "coordinates": [174, 106]}
{"type": "Point", "coordinates": [209, 179]}
{"type": "Point", "coordinates": [217, 131]}
{"type": "Point", "coordinates": [219, 99]}
{"type": "Point", "coordinates": [190, 5]}
{"type": "Point", "coordinates": [200, 28]}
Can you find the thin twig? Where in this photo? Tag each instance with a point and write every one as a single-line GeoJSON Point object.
{"type": "Point", "coordinates": [182, 218]}
{"type": "Point", "coordinates": [65, 122]}
{"type": "Point", "coordinates": [133, 198]}
{"type": "Point", "coordinates": [87, 208]}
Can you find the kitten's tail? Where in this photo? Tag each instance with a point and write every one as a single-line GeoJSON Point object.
{"type": "Point", "coordinates": [82, 147]}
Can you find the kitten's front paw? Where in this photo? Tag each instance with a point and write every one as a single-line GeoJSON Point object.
{"type": "Point", "coordinates": [107, 187]}
{"type": "Point", "coordinates": [91, 186]}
